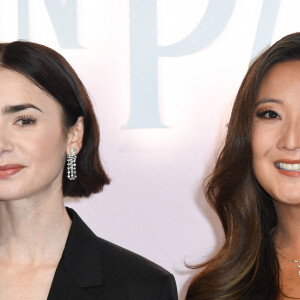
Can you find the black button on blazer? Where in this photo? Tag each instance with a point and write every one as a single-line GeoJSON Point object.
{"type": "Point", "coordinates": [92, 268]}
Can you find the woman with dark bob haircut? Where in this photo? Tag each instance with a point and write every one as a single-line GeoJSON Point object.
{"type": "Point", "coordinates": [49, 141]}
{"type": "Point", "coordinates": [255, 186]}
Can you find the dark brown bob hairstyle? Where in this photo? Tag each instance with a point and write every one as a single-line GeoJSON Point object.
{"type": "Point", "coordinates": [52, 73]}
{"type": "Point", "coordinates": [246, 267]}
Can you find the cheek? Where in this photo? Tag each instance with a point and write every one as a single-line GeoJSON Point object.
{"type": "Point", "coordinates": [263, 141]}
{"type": "Point", "coordinates": [45, 149]}
{"type": "Point", "coordinates": [257, 146]}
{"type": "Point", "coordinates": [262, 145]}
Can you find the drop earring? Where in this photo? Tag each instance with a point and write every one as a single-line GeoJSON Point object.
{"type": "Point", "coordinates": [71, 164]}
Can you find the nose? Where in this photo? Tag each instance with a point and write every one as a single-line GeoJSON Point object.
{"type": "Point", "coordinates": [290, 136]}
{"type": "Point", "coordinates": [6, 144]}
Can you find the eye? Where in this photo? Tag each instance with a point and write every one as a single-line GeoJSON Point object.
{"type": "Point", "coordinates": [268, 114]}
{"type": "Point", "coordinates": [25, 121]}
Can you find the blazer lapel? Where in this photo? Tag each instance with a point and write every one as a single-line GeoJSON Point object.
{"type": "Point", "coordinates": [80, 267]}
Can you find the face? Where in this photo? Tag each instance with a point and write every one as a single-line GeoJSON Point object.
{"type": "Point", "coordinates": [33, 143]}
{"type": "Point", "coordinates": [276, 133]}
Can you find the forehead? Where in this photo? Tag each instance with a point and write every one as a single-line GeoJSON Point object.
{"type": "Point", "coordinates": [282, 81]}
{"type": "Point", "coordinates": [16, 89]}
{"type": "Point", "coordinates": [282, 74]}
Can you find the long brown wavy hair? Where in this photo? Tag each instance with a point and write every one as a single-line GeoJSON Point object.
{"type": "Point", "coordinates": [246, 267]}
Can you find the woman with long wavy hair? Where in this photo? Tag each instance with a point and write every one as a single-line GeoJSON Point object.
{"type": "Point", "coordinates": [255, 186]}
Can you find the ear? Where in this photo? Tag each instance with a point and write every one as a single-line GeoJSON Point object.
{"type": "Point", "coordinates": [75, 135]}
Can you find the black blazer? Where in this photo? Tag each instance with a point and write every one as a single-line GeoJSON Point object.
{"type": "Point", "coordinates": [92, 268]}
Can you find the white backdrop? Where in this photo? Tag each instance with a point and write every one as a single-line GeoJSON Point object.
{"type": "Point", "coordinates": [162, 109]}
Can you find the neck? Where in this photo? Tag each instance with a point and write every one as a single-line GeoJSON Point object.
{"type": "Point", "coordinates": [287, 234]}
{"type": "Point", "coordinates": [33, 231]}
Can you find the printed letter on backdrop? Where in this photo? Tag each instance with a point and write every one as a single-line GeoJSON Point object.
{"type": "Point", "coordinates": [265, 27]}
{"type": "Point", "coordinates": [63, 17]}
{"type": "Point", "coordinates": [144, 112]}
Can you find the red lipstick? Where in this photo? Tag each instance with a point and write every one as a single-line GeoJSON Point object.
{"type": "Point", "coordinates": [8, 170]}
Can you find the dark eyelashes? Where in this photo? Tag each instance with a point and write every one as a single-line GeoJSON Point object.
{"type": "Point", "coordinates": [24, 121]}
{"type": "Point", "coordinates": [267, 114]}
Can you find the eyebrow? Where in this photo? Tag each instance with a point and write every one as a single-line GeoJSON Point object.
{"type": "Point", "coordinates": [10, 109]}
{"type": "Point", "coordinates": [268, 101]}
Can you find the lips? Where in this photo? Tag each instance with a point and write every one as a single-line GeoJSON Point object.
{"type": "Point", "coordinates": [288, 167]}
{"type": "Point", "coordinates": [9, 170]}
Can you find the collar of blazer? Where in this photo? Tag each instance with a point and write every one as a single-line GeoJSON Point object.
{"type": "Point", "coordinates": [81, 255]}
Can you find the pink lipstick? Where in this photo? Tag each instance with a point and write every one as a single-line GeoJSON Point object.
{"type": "Point", "coordinates": [8, 170]}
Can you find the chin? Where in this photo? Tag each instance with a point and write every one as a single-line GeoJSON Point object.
{"type": "Point", "coordinates": [14, 192]}
{"type": "Point", "coordinates": [10, 197]}
{"type": "Point", "coordinates": [289, 199]}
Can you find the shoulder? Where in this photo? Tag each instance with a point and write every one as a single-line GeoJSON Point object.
{"type": "Point", "coordinates": [123, 267]}
{"type": "Point", "coordinates": [115, 271]}
{"type": "Point", "coordinates": [125, 260]}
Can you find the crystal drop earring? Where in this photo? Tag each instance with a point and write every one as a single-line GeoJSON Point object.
{"type": "Point", "coordinates": [71, 164]}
